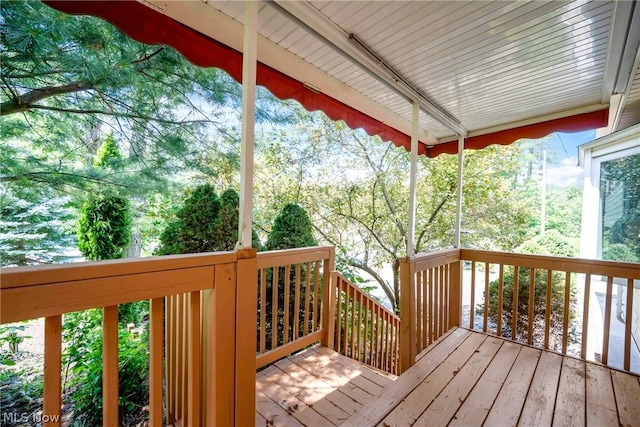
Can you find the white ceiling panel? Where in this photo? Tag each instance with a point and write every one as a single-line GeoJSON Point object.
{"type": "Point", "coordinates": [483, 64]}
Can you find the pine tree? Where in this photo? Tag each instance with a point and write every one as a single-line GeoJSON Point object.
{"type": "Point", "coordinates": [292, 228]}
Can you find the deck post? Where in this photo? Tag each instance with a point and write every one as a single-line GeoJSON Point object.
{"type": "Point", "coordinates": [407, 314]}
{"type": "Point", "coordinates": [455, 294]}
{"type": "Point", "coordinates": [413, 172]}
{"type": "Point", "coordinates": [246, 340]}
{"type": "Point", "coordinates": [328, 300]}
{"type": "Point", "coordinates": [249, 67]}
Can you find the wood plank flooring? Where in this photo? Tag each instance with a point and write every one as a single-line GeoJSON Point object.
{"type": "Point", "coordinates": [472, 379]}
{"type": "Point", "coordinates": [316, 387]}
{"type": "Point", "coordinates": [465, 379]}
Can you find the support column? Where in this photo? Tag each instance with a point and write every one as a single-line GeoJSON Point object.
{"type": "Point", "coordinates": [459, 191]}
{"type": "Point", "coordinates": [411, 231]}
{"type": "Point", "coordinates": [249, 58]}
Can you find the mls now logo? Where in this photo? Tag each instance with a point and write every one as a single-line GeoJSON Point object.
{"type": "Point", "coordinates": [9, 418]}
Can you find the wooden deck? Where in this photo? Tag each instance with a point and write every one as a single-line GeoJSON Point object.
{"type": "Point", "coordinates": [316, 387]}
{"type": "Point", "coordinates": [465, 379]}
{"type": "Point", "coordinates": [470, 379]}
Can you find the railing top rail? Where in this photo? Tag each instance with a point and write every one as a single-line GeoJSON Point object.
{"type": "Point", "coordinates": [366, 295]}
{"type": "Point", "coordinates": [15, 277]}
{"type": "Point", "coordinates": [293, 256]}
{"type": "Point", "coordinates": [578, 265]}
{"type": "Point", "coordinates": [433, 259]}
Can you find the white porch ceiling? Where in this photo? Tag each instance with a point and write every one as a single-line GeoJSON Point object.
{"type": "Point", "coordinates": [483, 65]}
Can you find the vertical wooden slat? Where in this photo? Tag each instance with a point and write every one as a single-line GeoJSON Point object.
{"type": "Point", "coordinates": [425, 310]}
{"type": "Point", "coordinates": [419, 310]}
{"type": "Point", "coordinates": [184, 365]}
{"type": "Point", "coordinates": [329, 305]}
{"type": "Point", "coordinates": [274, 307]}
{"type": "Point", "coordinates": [473, 292]}
{"type": "Point", "coordinates": [345, 320]}
{"type": "Point", "coordinates": [442, 309]}
{"type": "Point", "coordinates": [379, 337]}
{"type": "Point", "coordinates": [194, 361]}
{"type": "Point", "coordinates": [607, 321]}
{"type": "Point", "coordinates": [339, 314]}
{"type": "Point", "coordinates": [367, 340]}
{"type": "Point", "coordinates": [436, 302]}
{"type": "Point", "coordinates": [110, 366]}
{"type": "Point", "coordinates": [516, 286]}
{"type": "Point", "coordinates": [384, 340]}
{"type": "Point", "coordinates": [485, 320]}
{"type": "Point", "coordinates": [245, 346]}
{"type": "Point", "coordinates": [627, 325]}
{"type": "Point", "coordinates": [532, 293]}
{"type": "Point", "coordinates": [155, 362]}
{"type": "Point", "coordinates": [296, 305]}
{"type": "Point", "coordinates": [432, 302]}
{"type": "Point", "coordinates": [326, 274]}
{"type": "Point", "coordinates": [353, 320]}
{"type": "Point", "coordinates": [446, 299]}
{"type": "Point", "coordinates": [455, 294]}
{"type": "Point", "coordinates": [287, 304]}
{"type": "Point", "coordinates": [565, 316]}
{"type": "Point", "coordinates": [177, 378]}
{"type": "Point", "coordinates": [361, 299]}
{"type": "Point", "coordinates": [307, 299]}
{"type": "Point", "coordinates": [500, 300]}
{"type": "Point", "coordinates": [585, 315]}
{"type": "Point", "coordinates": [171, 361]}
{"type": "Point", "coordinates": [263, 310]}
{"type": "Point", "coordinates": [547, 310]}
{"type": "Point", "coordinates": [394, 363]}
{"type": "Point", "coordinates": [52, 387]}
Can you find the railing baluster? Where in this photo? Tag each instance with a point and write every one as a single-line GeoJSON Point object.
{"type": "Point", "coordinates": [547, 312]}
{"type": "Point", "coordinates": [345, 325]}
{"type": "Point", "coordinates": [425, 310]}
{"type": "Point", "coordinates": [532, 293]}
{"type": "Point", "coordinates": [419, 320]}
{"type": "Point", "coordinates": [607, 321]}
{"type": "Point", "coordinates": [110, 366]}
{"type": "Point", "coordinates": [316, 295]}
{"type": "Point", "coordinates": [353, 320]}
{"type": "Point", "coordinates": [565, 315]}
{"type": "Point", "coordinates": [500, 299]}
{"type": "Point", "coordinates": [585, 315]}
{"type": "Point", "coordinates": [367, 330]}
{"type": "Point", "coordinates": [472, 297]}
{"type": "Point", "coordinates": [274, 307]}
{"type": "Point", "coordinates": [52, 386]}
{"type": "Point", "coordinates": [432, 301]}
{"type": "Point", "coordinates": [339, 314]}
{"type": "Point", "coordinates": [296, 305]}
{"type": "Point", "coordinates": [194, 357]}
{"type": "Point", "coordinates": [516, 286]}
{"type": "Point", "coordinates": [361, 298]}
{"type": "Point", "coordinates": [379, 336]}
{"type": "Point", "coordinates": [307, 298]}
{"type": "Point", "coordinates": [485, 324]}
{"type": "Point", "coordinates": [627, 325]}
{"type": "Point", "coordinates": [156, 307]}
{"type": "Point", "coordinates": [287, 304]}
{"type": "Point", "coordinates": [446, 300]}
{"type": "Point", "coordinates": [263, 310]}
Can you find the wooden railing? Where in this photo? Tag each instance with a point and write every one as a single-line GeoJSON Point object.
{"type": "Point", "coordinates": [207, 337]}
{"type": "Point", "coordinates": [292, 285]}
{"type": "Point", "coordinates": [553, 306]}
{"type": "Point", "coordinates": [365, 330]}
{"type": "Point", "coordinates": [430, 300]}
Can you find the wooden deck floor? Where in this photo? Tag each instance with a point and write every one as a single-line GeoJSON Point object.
{"type": "Point", "coordinates": [316, 387]}
{"type": "Point", "coordinates": [472, 379]}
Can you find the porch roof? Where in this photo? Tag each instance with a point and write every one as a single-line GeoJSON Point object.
{"type": "Point", "coordinates": [491, 71]}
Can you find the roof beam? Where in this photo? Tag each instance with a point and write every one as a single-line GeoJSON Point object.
{"type": "Point", "coordinates": [353, 49]}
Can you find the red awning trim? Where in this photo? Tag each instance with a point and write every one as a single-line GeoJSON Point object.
{"type": "Point", "coordinates": [149, 26]}
{"type": "Point", "coordinates": [576, 123]}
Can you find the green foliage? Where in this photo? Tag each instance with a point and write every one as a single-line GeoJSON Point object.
{"type": "Point", "coordinates": [552, 243]}
{"type": "Point", "coordinates": [292, 228]}
{"type": "Point", "coordinates": [619, 252]}
{"type": "Point", "coordinates": [13, 335]}
{"type": "Point", "coordinates": [108, 155]}
{"type": "Point", "coordinates": [82, 332]}
{"type": "Point", "coordinates": [204, 223]}
{"type": "Point", "coordinates": [34, 228]}
{"type": "Point", "coordinates": [104, 227]}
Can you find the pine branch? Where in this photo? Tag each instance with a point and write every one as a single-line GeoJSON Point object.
{"type": "Point", "coordinates": [28, 100]}
{"type": "Point", "coordinates": [118, 114]}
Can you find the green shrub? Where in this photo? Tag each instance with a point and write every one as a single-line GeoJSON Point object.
{"type": "Point", "coordinates": [104, 229]}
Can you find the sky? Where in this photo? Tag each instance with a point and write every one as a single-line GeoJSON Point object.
{"type": "Point", "coordinates": [562, 165]}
